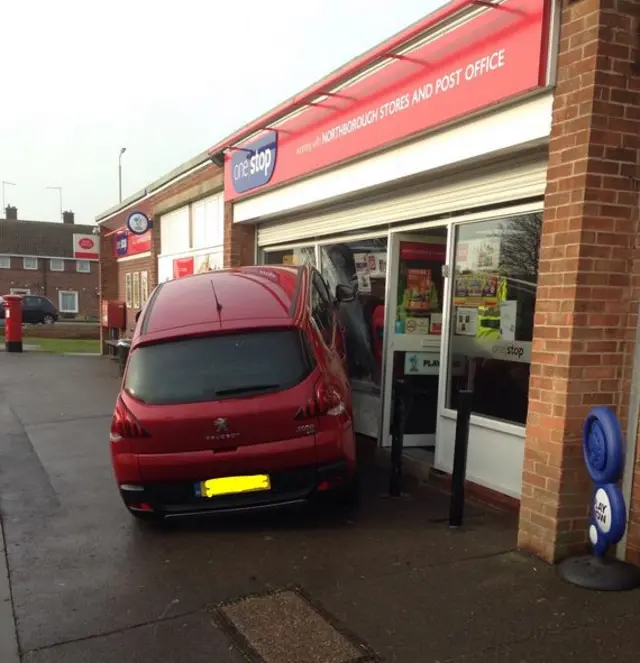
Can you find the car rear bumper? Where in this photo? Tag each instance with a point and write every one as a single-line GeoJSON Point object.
{"type": "Point", "coordinates": [289, 488]}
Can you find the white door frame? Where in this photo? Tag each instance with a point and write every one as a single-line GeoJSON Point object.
{"type": "Point", "coordinates": [401, 343]}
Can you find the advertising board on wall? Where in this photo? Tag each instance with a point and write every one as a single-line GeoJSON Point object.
{"type": "Point", "coordinates": [86, 247]}
{"type": "Point", "coordinates": [498, 53]}
{"type": "Point", "coordinates": [127, 244]}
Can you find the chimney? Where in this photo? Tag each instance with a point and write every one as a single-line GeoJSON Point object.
{"type": "Point", "coordinates": [68, 217]}
{"type": "Point", "coordinates": [11, 213]}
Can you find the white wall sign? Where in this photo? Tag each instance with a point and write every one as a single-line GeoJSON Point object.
{"type": "Point", "coordinates": [428, 363]}
{"type": "Point", "coordinates": [86, 247]}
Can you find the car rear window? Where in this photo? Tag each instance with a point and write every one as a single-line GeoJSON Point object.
{"type": "Point", "coordinates": [218, 367]}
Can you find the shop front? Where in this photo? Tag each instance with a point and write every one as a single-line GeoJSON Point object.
{"type": "Point", "coordinates": [416, 175]}
{"type": "Point", "coordinates": [192, 239]}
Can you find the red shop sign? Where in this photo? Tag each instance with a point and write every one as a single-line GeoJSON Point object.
{"type": "Point", "coordinates": [423, 252]}
{"type": "Point", "coordinates": [182, 267]}
{"type": "Point", "coordinates": [127, 244]}
{"type": "Point", "coordinates": [496, 55]}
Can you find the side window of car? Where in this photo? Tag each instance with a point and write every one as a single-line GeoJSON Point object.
{"type": "Point", "coordinates": [321, 309]}
{"type": "Point", "coordinates": [30, 302]}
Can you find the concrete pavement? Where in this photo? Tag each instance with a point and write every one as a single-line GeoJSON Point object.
{"type": "Point", "coordinates": [89, 584]}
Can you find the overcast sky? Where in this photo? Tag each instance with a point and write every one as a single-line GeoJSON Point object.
{"type": "Point", "coordinates": [79, 80]}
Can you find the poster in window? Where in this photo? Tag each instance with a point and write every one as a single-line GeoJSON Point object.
{"type": "Point", "coordinates": [476, 290]}
{"type": "Point", "coordinates": [418, 292]}
{"type": "Point", "coordinates": [128, 295]}
{"type": "Point", "coordinates": [478, 255]}
{"type": "Point", "coordinates": [144, 288]}
{"type": "Point", "coordinates": [136, 290]}
{"type": "Point", "coordinates": [183, 267]}
{"type": "Point", "coordinates": [362, 272]}
{"type": "Point", "coordinates": [466, 321]}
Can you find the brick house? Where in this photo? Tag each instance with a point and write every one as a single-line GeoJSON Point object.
{"type": "Point", "coordinates": [552, 147]}
{"type": "Point", "coordinates": [48, 258]}
{"type": "Point", "coordinates": [181, 206]}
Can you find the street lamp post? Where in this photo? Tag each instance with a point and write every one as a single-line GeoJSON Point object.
{"type": "Point", "coordinates": [59, 190]}
{"type": "Point", "coordinates": [4, 184]}
{"type": "Point", "coordinates": [122, 151]}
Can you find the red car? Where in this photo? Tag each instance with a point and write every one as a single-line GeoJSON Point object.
{"type": "Point", "coordinates": [235, 396]}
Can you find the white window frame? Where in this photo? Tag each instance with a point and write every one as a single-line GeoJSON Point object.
{"type": "Point", "coordinates": [19, 291]}
{"type": "Point", "coordinates": [25, 262]}
{"type": "Point", "coordinates": [68, 292]}
{"type": "Point", "coordinates": [136, 290]}
{"type": "Point", "coordinates": [7, 264]}
{"type": "Point", "coordinates": [128, 294]}
{"type": "Point", "coordinates": [56, 261]}
{"type": "Point", "coordinates": [83, 263]}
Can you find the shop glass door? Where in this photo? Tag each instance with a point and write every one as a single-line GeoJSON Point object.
{"type": "Point", "coordinates": [414, 332]}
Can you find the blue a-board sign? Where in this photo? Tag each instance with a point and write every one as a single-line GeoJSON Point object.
{"type": "Point", "coordinates": [603, 449]}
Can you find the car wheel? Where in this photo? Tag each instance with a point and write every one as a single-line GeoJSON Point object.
{"type": "Point", "coordinates": [48, 320]}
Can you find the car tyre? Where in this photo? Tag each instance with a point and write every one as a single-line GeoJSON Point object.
{"type": "Point", "coordinates": [48, 320]}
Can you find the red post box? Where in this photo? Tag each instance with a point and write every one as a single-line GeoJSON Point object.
{"type": "Point", "coordinates": [13, 323]}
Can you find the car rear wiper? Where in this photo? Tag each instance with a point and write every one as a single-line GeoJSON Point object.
{"type": "Point", "coordinates": [241, 390]}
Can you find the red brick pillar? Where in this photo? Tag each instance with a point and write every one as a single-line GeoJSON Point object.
{"type": "Point", "coordinates": [585, 317]}
{"type": "Point", "coordinates": [239, 240]}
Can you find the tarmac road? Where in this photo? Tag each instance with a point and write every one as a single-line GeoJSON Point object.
{"type": "Point", "coordinates": [89, 584]}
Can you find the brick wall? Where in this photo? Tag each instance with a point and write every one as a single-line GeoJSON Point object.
{"type": "Point", "coordinates": [239, 240]}
{"type": "Point", "coordinates": [585, 312]}
{"type": "Point", "coordinates": [45, 282]}
{"type": "Point", "coordinates": [184, 191]}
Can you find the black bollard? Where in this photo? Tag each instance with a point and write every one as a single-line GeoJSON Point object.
{"type": "Point", "coordinates": [397, 438]}
{"type": "Point", "coordinates": [456, 507]}
{"type": "Point", "coordinates": [124, 345]}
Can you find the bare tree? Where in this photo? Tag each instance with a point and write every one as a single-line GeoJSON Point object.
{"type": "Point", "coordinates": [520, 246]}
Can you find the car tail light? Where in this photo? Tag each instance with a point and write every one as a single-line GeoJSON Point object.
{"type": "Point", "coordinates": [328, 400]}
{"type": "Point", "coordinates": [124, 424]}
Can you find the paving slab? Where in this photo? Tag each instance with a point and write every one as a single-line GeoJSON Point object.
{"type": "Point", "coordinates": [615, 640]}
{"type": "Point", "coordinates": [452, 611]}
{"type": "Point", "coordinates": [189, 639]}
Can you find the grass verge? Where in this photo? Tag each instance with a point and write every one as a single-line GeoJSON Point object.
{"type": "Point", "coordinates": [62, 345]}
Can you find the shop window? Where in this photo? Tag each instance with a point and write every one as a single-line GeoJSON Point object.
{"type": "Point", "coordinates": [174, 231]}
{"type": "Point", "coordinates": [128, 290]}
{"type": "Point", "coordinates": [494, 292]}
{"type": "Point", "coordinates": [363, 266]}
{"type": "Point", "coordinates": [136, 290]}
{"type": "Point", "coordinates": [301, 255]}
{"type": "Point", "coordinates": [207, 222]}
{"type": "Point", "coordinates": [322, 308]}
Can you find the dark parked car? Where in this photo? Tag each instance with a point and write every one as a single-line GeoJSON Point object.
{"type": "Point", "coordinates": [37, 310]}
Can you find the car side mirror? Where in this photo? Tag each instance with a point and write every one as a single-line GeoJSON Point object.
{"type": "Point", "coordinates": [138, 316]}
{"type": "Point", "coordinates": [344, 294]}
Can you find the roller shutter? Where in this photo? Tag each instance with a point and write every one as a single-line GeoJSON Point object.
{"type": "Point", "coordinates": [512, 181]}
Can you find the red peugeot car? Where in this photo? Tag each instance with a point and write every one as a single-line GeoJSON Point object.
{"type": "Point", "coordinates": [235, 396]}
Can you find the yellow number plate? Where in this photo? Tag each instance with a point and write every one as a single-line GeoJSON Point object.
{"type": "Point", "coordinates": [234, 485]}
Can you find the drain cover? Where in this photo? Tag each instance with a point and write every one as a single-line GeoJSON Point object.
{"type": "Point", "coordinates": [284, 627]}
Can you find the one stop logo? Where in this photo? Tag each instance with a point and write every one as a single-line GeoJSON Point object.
{"type": "Point", "coordinates": [253, 165]}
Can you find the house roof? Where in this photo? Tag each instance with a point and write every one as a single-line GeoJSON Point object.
{"type": "Point", "coordinates": [39, 238]}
